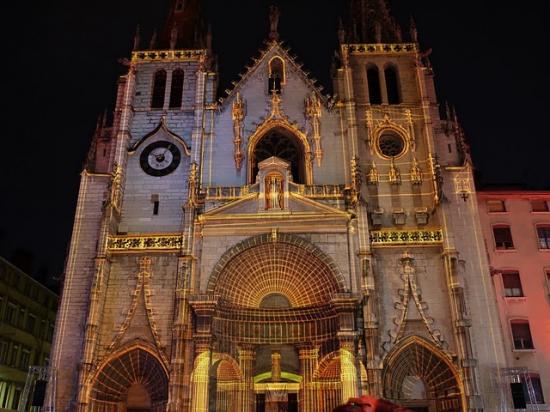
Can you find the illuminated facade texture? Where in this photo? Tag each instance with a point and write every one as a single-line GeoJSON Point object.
{"type": "Point", "coordinates": [516, 225]}
{"type": "Point", "coordinates": [278, 249]}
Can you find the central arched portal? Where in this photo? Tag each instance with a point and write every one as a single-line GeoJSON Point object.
{"type": "Point", "coordinates": [277, 306]}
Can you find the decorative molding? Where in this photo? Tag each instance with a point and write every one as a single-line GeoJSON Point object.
{"type": "Point", "coordinates": [406, 237]}
{"type": "Point", "coordinates": [411, 291]}
{"type": "Point", "coordinates": [140, 243]}
{"type": "Point", "coordinates": [167, 55]}
{"type": "Point", "coordinates": [400, 122]}
{"type": "Point", "coordinates": [380, 48]}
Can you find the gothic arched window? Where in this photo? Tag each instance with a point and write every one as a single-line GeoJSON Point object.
{"type": "Point", "coordinates": [283, 145]}
{"type": "Point", "coordinates": [159, 90]}
{"type": "Point", "coordinates": [392, 85]}
{"type": "Point", "coordinates": [373, 80]}
{"type": "Point", "coordinates": [276, 75]}
{"type": "Point", "coordinates": [176, 90]}
{"type": "Point", "coordinates": [179, 5]}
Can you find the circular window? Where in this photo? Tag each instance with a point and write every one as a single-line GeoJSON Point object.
{"type": "Point", "coordinates": [391, 144]}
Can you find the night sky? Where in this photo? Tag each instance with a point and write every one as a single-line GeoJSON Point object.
{"type": "Point", "coordinates": [60, 70]}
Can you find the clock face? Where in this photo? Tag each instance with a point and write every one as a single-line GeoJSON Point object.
{"type": "Point", "coordinates": [160, 158]}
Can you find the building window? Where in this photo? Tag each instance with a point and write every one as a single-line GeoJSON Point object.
{"type": "Point", "coordinates": [543, 233]}
{"type": "Point", "coordinates": [373, 80]}
{"type": "Point", "coordinates": [4, 346]}
{"type": "Point", "coordinates": [176, 90]}
{"type": "Point", "coordinates": [521, 334]}
{"type": "Point", "coordinates": [496, 206]}
{"type": "Point", "coordinates": [539, 205]}
{"type": "Point", "coordinates": [11, 314]}
{"type": "Point", "coordinates": [13, 356]}
{"type": "Point", "coordinates": [50, 332]}
{"type": "Point", "coordinates": [392, 85]}
{"type": "Point", "coordinates": [276, 75]}
{"type": "Point", "coordinates": [503, 237]}
{"type": "Point", "coordinates": [536, 389]}
{"type": "Point", "coordinates": [159, 90]}
{"type": "Point", "coordinates": [24, 359]}
{"type": "Point", "coordinates": [31, 323]}
{"type": "Point", "coordinates": [512, 285]}
{"type": "Point", "coordinates": [16, 398]}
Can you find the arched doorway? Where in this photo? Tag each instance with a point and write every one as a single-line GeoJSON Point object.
{"type": "Point", "coordinates": [280, 142]}
{"type": "Point", "coordinates": [277, 306]}
{"type": "Point", "coordinates": [419, 376]}
{"type": "Point", "coordinates": [134, 381]}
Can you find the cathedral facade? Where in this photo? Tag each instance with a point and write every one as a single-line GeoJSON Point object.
{"type": "Point", "coordinates": [277, 249]}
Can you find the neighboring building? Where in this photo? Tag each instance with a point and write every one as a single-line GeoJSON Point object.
{"type": "Point", "coordinates": [280, 248]}
{"type": "Point", "coordinates": [516, 225]}
{"type": "Point", "coordinates": [27, 318]}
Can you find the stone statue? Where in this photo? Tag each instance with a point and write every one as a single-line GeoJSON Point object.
{"type": "Point", "coordinates": [274, 15]}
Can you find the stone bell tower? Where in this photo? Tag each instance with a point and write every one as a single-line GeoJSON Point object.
{"type": "Point", "coordinates": [424, 269]}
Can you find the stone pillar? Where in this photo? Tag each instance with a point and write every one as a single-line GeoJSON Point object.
{"type": "Point", "coordinates": [462, 324]}
{"type": "Point", "coordinates": [178, 385]}
{"type": "Point", "coordinates": [246, 362]}
{"type": "Point", "coordinates": [308, 364]}
{"type": "Point", "coordinates": [204, 307]}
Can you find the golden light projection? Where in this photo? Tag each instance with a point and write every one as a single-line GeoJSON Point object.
{"type": "Point", "coordinates": [297, 273]}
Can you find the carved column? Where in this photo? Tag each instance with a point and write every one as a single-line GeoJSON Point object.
{"type": "Point", "coordinates": [370, 326]}
{"type": "Point", "coordinates": [178, 386]}
{"type": "Point", "coordinates": [345, 305]}
{"type": "Point", "coordinates": [204, 307]}
{"type": "Point", "coordinates": [462, 324]}
{"type": "Point", "coordinates": [246, 362]}
{"type": "Point", "coordinates": [308, 363]}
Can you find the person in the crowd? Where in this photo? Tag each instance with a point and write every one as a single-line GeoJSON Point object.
{"type": "Point", "coordinates": [369, 404]}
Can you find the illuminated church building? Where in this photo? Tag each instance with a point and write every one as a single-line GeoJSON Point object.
{"type": "Point", "coordinates": [278, 249]}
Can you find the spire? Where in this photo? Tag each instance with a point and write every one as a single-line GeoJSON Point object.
{"type": "Point", "coordinates": [137, 38]}
{"type": "Point", "coordinates": [372, 22]}
{"type": "Point", "coordinates": [184, 20]}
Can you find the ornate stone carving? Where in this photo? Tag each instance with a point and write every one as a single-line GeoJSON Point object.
{"type": "Point", "coordinates": [416, 173]}
{"type": "Point", "coordinates": [274, 198]}
{"type": "Point", "coordinates": [313, 113]}
{"type": "Point", "coordinates": [394, 175]}
{"type": "Point", "coordinates": [116, 187]}
{"type": "Point", "coordinates": [406, 237]}
{"type": "Point", "coordinates": [143, 288]}
{"type": "Point", "coordinates": [355, 182]}
{"type": "Point", "coordinates": [193, 186]}
{"type": "Point", "coordinates": [127, 244]}
{"type": "Point", "coordinates": [238, 114]}
{"type": "Point", "coordinates": [411, 291]}
{"type": "Point", "coordinates": [373, 177]}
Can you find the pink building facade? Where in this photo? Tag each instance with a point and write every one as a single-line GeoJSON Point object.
{"type": "Point", "coordinates": [516, 227]}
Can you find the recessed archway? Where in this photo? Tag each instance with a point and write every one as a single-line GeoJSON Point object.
{"type": "Point", "coordinates": [135, 380]}
{"type": "Point", "coordinates": [280, 143]}
{"type": "Point", "coordinates": [416, 369]}
{"type": "Point", "coordinates": [289, 267]}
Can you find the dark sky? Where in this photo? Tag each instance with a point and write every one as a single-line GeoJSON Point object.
{"type": "Point", "coordinates": [490, 59]}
